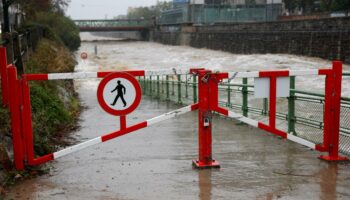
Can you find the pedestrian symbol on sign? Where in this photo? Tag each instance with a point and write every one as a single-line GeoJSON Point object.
{"type": "Point", "coordinates": [121, 91]}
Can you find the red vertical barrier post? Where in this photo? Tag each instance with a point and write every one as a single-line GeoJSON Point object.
{"type": "Point", "coordinates": [332, 113]}
{"type": "Point", "coordinates": [27, 128]}
{"type": "Point", "coordinates": [273, 76]}
{"type": "Point", "coordinates": [204, 122]}
{"type": "Point", "coordinates": [14, 102]}
{"type": "Point", "coordinates": [3, 71]}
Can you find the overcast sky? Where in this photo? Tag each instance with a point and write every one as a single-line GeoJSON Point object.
{"type": "Point", "coordinates": [101, 9]}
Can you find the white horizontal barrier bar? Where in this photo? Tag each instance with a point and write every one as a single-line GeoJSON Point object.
{"type": "Point", "coordinates": [255, 124]}
{"type": "Point", "coordinates": [255, 74]}
{"type": "Point", "coordinates": [232, 75]}
{"type": "Point", "coordinates": [243, 119]}
{"type": "Point", "coordinates": [77, 147]}
{"type": "Point", "coordinates": [301, 141]}
{"type": "Point", "coordinates": [167, 72]}
{"type": "Point", "coordinates": [74, 75]}
{"type": "Point", "coordinates": [169, 115]}
{"type": "Point", "coordinates": [303, 72]}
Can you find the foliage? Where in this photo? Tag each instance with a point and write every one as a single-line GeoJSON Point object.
{"type": "Point", "coordinates": [32, 7]}
{"type": "Point", "coordinates": [49, 114]}
{"type": "Point", "coordinates": [340, 5]}
{"type": "Point", "coordinates": [4, 118]}
{"type": "Point", "coordinates": [62, 26]}
{"type": "Point", "coordinates": [50, 57]}
{"type": "Point", "coordinates": [148, 12]}
{"type": "Point", "coordinates": [53, 103]}
{"type": "Point", "coordinates": [50, 13]}
{"type": "Point", "coordinates": [309, 6]}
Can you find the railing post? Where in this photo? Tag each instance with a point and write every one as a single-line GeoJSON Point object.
{"type": "Point", "coordinates": [144, 85]}
{"type": "Point", "coordinates": [167, 88]}
{"type": "Point", "coordinates": [162, 85]}
{"type": "Point", "coordinates": [332, 113]}
{"type": "Point", "coordinates": [3, 70]}
{"type": "Point", "coordinates": [18, 54]}
{"type": "Point", "coordinates": [186, 89]}
{"type": "Point", "coordinates": [14, 101]}
{"type": "Point", "coordinates": [173, 87]}
{"type": "Point", "coordinates": [291, 107]}
{"type": "Point", "coordinates": [228, 94]}
{"type": "Point", "coordinates": [179, 96]}
{"type": "Point", "coordinates": [245, 97]}
{"type": "Point", "coordinates": [158, 89]}
{"type": "Point", "coordinates": [150, 86]}
{"type": "Point", "coordinates": [9, 47]}
{"type": "Point", "coordinates": [195, 88]}
{"type": "Point", "coordinates": [265, 106]}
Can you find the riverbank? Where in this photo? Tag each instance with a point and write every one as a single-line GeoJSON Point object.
{"type": "Point", "coordinates": [327, 38]}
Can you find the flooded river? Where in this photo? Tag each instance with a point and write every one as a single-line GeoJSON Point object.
{"type": "Point", "coordinates": [155, 163]}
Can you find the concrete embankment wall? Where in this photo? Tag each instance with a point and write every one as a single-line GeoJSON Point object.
{"type": "Point", "coordinates": [324, 38]}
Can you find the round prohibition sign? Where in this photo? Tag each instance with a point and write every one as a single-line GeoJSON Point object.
{"type": "Point", "coordinates": [119, 93]}
{"type": "Point", "coordinates": [84, 55]}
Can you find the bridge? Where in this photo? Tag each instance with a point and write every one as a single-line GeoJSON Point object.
{"type": "Point", "coordinates": [99, 25]}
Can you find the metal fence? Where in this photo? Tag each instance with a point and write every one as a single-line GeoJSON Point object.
{"type": "Point", "coordinates": [300, 114]}
{"type": "Point", "coordinates": [210, 14]}
{"type": "Point", "coordinates": [20, 44]}
{"type": "Point", "coordinates": [111, 23]}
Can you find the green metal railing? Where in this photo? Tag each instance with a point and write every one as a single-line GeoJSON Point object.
{"type": "Point", "coordinates": [300, 114]}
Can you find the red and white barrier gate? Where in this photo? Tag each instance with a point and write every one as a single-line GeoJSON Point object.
{"type": "Point", "coordinates": [21, 115]}
{"type": "Point", "coordinates": [208, 102]}
{"type": "Point", "coordinates": [331, 110]}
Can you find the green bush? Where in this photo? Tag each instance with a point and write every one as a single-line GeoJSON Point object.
{"type": "Point", "coordinates": [49, 114]}
{"type": "Point", "coordinates": [59, 28]}
{"type": "Point", "coordinates": [55, 106]}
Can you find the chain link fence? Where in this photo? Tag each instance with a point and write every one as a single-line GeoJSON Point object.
{"type": "Point", "coordinates": [300, 114]}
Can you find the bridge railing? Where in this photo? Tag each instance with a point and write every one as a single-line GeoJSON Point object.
{"type": "Point", "coordinates": [111, 23]}
{"type": "Point", "coordinates": [300, 114]}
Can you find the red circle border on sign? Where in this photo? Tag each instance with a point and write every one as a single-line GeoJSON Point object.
{"type": "Point", "coordinates": [83, 55]}
{"type": "Point", "coordinates": [104, 82]}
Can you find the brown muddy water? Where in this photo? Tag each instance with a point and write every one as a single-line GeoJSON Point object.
{"type": "Point", "coordinates": [155, 163]}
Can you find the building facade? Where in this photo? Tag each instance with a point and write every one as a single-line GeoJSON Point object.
{"type": "Point", "coordinates": [242, 2]}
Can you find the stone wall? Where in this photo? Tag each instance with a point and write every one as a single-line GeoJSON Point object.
{"type": "Point", "coordinates": [324, 38]}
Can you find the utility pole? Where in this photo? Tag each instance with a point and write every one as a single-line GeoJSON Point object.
{"type": "Point", "coordinates": [5, 6]}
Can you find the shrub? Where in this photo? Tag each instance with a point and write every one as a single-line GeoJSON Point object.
{"type": "Point", "coordinates": [60, 28]}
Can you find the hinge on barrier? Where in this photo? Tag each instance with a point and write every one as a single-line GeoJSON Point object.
{"type": "Point", "coordinates": [205, 78]}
